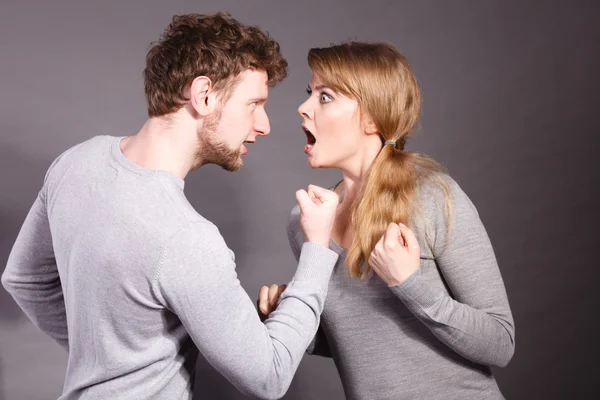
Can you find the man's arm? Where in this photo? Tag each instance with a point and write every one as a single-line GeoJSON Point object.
{"type": "Point", "coordinates": [31, 275]}
{"type": "Point", "coordinates": [318, 345]}
{"type": "Point", "coordinates": [196, 279]}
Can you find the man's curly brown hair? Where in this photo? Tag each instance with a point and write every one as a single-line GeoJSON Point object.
{"type": "Point", "coordinates": [216, 46]}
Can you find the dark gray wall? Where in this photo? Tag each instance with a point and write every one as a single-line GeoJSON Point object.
{"type": "Point", "coordinates": [510, 106]}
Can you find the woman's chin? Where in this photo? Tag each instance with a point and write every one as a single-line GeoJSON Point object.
{"type": "Point", "coordinates": [314, 164]}
{"type": "Point", "coordinates": [317, 162]}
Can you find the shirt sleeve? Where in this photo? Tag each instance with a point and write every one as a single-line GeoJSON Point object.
{"type": "Point", "coordinates": [475, 320]}
{"type": "Point", "coordinates": [196, 279]}
{"type": "Point", "coordinates": [31, 275]}
{"type": "Point", "coordinates": [318, 345]}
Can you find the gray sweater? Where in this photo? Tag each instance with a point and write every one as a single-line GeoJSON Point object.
{"type": "Point", "coordinates": [115, 265]}
{"type": "Point", "coordinates": [436, 335]}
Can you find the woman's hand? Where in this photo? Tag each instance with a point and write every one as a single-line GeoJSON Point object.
{"type": "Point", "coordinates": [396, 256]}
{"type": "Point", "coordinates": [267, 300]}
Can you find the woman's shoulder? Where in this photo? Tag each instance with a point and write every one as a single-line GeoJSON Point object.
{"type": "Point", "coordinates": [443, 207]}
{"type": "Point", "coordinates": [440, 189]}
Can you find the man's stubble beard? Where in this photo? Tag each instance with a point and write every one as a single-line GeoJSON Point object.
{"type": "Point", "coordinates": [214, 151]}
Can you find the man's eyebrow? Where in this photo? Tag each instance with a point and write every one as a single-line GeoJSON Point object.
{"type": "Point", "coordinates": [259, 99]}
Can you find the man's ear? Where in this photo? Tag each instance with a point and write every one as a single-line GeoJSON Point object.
{"type": "Point", "coordinates": [203, 97]}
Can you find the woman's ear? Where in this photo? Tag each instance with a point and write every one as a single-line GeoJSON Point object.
{"type": "Point", "coordinates": [369, 126]}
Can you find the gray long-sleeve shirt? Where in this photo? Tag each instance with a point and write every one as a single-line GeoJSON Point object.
{"type": "Point", "coordinates": [115, 264]}
{"type": "Point", "coordinates": [434, 336]}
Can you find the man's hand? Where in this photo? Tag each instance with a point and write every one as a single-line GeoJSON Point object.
{"type": "Point", "coordinates": [317, 213]}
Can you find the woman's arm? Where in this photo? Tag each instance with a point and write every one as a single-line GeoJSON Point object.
{"type": "Point", "coordinates": [475, 320]}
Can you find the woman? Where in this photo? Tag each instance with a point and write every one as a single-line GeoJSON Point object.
{"type": "Point", "coordinates": [411, 313]}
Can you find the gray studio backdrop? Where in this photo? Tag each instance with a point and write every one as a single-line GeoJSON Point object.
{"type": "Point", "coordinates": [510, 106]}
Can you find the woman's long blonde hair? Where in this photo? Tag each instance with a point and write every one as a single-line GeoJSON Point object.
{"type": "Point", "coordinates": [380, 79]}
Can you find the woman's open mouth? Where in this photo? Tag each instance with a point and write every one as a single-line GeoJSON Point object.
{"type": "Point", "coordinates": [310, 140]}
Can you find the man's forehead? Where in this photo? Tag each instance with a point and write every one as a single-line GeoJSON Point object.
{"type": "Point", "coordinates": [257, 75]}
{"type": "Point", "coordinates": [253, 85]}
{"type": "Point", "coordinates": [256, 78]}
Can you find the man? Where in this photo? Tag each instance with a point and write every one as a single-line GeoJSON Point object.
{"type": "Point", "coordinates": [115, 264]}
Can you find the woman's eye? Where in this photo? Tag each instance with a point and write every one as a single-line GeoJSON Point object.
{"type": "Point", "coordinates": [325, 98]}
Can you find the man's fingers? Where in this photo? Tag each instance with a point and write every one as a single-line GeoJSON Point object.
{"type": "Point", "coordinates": [313, 196]}
{"type": "Point", "coordinates": [324, 195]}
{"type": "Point", "coordinates": [303, 199]}
{"type": "Point", "coordinates": [317, 190]}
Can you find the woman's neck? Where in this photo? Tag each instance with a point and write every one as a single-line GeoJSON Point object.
{"type": "Point", "coordinates": [355, 171]}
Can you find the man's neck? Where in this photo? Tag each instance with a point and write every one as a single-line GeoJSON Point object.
{"type": "Point", "coordinates": [161, 145]}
